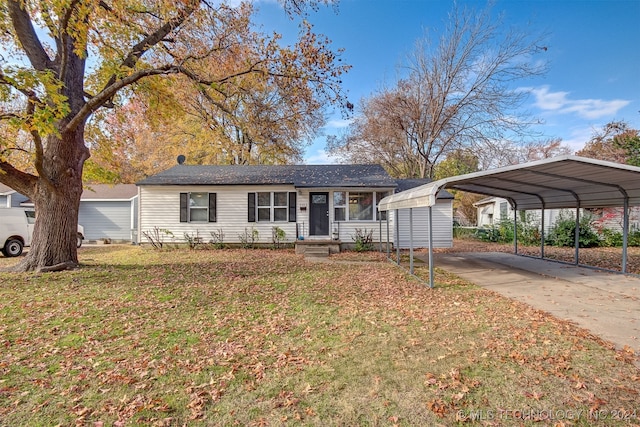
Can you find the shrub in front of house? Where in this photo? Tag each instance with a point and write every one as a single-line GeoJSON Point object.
{"type": "Point", "coordinates": [502, 232]}
{"type": "Point", "coordinates": [363, 240]}
{"type": "Point", "coordinates": [563, 232]}
{"type": "Point", "coordinates": [249, 238]}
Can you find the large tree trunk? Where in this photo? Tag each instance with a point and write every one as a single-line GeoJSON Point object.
{"type": "Point", "coordinates": [57, 200]}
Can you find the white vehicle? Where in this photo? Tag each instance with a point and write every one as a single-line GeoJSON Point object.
{"type": "Point", "coordinates": [16, 229]}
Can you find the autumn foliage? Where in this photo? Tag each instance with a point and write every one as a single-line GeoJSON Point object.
{"type": "Point", "coordinates": [240, 92]}
{"type": "Point", "coordinates": [261, 337]}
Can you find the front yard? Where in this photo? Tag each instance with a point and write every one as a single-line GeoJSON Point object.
{"type": "Point", "coordinates": [261, 337]}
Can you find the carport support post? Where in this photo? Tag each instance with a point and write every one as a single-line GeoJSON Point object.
{"type": "Point", "coordinates": [515, 229]}
{"type": "Point", "coordinates": [625, 234]}
{"type": "Point", "coordinates": [411, 240]}
{"type": "Point", "coordinates": [430, 247]}
{"type": "Point", "coordinates": [380, 235]}
{"type": "Point", "coordinates": [542, 233]}
{"type": "Point", "coordinates": [396, 238]}
{"type": "Point", "coordinates": [388, 242]}
{"type": "Point", "coordinates": [577, 236]}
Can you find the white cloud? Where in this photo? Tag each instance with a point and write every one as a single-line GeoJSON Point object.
{"type": "Point", "coordinates": [560, 102]}
{"type": "Point", "coordinates": [577, 138]}
{"type": "Point", "coordinates": [320, 157]}
{"type": "Point", "coordinates": [231, 3]}
{"type": "Point", "coordinates": [338, 123]}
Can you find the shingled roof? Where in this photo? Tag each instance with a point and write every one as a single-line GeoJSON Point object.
{"type": "Point", "coordinates": [300, 176]}
{"type": "Point", "coordinates": [5, 189]}
{"type": "Point", "coordinates": [109, 192]}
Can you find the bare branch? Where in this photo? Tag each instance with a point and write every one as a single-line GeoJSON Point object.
{"type": "Point", "coordinates": [154, 38]}
{"type": "Point", "coordinates": [28, 37]}
{"type": "Point", "coordinates": [457, 93]}
{"type": "Point", "coordinates": [62, 39]}
{"type": "Point", "coordinates": [8, 116]}
{"type": "Point", "coordinates": [104, 97]}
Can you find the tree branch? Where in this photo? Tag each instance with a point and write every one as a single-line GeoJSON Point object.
{"type": "Point", "coordinates": [107, 93]}
{"type": "Point", "coordinates": [20, 181]}
{"type": "Point", "coordinates": [152, 39]}
{"type": "Point", "coordinates": [8, 116]}
{"type": "Point", "coordinates": [62, 39]}
{"type": "Point", "coordinates": [28, 38]}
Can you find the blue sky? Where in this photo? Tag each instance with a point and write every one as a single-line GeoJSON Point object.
{"type": "Point", "coordinates": [593, 53]}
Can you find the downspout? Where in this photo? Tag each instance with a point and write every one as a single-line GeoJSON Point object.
{"type": "Point", "coordinates": [138, 237]}
{"type": "Point", "coordinates": [133, 219]}
{"type": "Point", "coordinates": [396, 238]}
{"type": "Point", "coordinates": [411, 240]}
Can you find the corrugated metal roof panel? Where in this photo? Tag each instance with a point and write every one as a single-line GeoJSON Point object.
{"type": "Point", "coordinates": [560, 182]}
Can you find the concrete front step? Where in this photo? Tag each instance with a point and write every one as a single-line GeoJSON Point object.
{"type": "Point", "coordinates": [316, 251]}
{"type": "Point", "coordinates": [332, 245]}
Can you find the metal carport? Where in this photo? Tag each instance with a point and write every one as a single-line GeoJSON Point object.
{"type": "Point", "coordinates": [560, 182]}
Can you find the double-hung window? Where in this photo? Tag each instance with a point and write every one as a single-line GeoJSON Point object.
{"type": "Point", "coordinates": [357, 206]}
{"type": "Point", "coordinates": [264, 206]}
{"type": "Point", "coordinates": [198, 207]}
{"type": "Point", "coordinates": [280, 206]}
{"type": "Point", "coordinates": [272, 206]}
{"type": "Point", "coordinates": [379, 196]}
{"type": "Point", "coordinates": [361, 206]}
{"type": "Point", "coordinates": [340, 205]}
{"type": "Point", "coordinates": [504, 210]}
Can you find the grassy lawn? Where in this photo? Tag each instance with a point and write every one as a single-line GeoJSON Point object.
{"type": "Point", "coordinates": [261, 337]}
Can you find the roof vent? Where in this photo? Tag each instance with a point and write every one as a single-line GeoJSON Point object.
{"type": "Point", "coordinates": [181, 159]}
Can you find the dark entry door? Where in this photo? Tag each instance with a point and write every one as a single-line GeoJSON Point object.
{"type": "Point", "coordinates": [319, 214]}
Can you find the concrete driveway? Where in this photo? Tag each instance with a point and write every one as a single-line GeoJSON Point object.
{"type": "Point", "coordinates": [607, 304]}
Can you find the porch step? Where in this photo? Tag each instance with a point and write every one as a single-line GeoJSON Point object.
{"type": "Point", "coordinates": [316, 251]}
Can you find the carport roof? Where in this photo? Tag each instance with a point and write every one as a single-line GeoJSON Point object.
{"type": "Point", "coordinates": [559, 182]}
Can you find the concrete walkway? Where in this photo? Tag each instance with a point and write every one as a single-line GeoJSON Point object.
{"type": "Point", "coordinates": [607, 304]}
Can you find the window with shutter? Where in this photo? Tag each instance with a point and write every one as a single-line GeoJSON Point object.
{"type": "Point", "coordinates": [292, 206]}
{"type": "Point", "coordinates": [212, 207]}
{"type": "Point", "coordinates": [184, 207]}
{"type": "Point", "coordinates": [198, 207]}
{"type": "Point", "coordinates": [251, 207]}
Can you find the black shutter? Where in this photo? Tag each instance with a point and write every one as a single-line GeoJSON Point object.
{"type": "Point", "coordinates": [184, 207]}
{"type": "Point", "coordinates": [212, 207]}
{"type": "Point", "coordinates": [252, 207]}
{"type": "Point", "coordinates": [292, 206]}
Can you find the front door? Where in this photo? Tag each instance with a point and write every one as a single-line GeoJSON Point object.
{"type": "Point", "coordinates": [319, 214]}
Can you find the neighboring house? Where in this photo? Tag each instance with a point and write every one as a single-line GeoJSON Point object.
{"type": "Point", "coordinates": [109, 212]}
{"type": "Point", "coordinates": [612, 218]}
{"type": "Point", "coordinates": [10, 198]}
{"type": "Point", "coordinates": [306, 201]}
{"type": "Point", "coordinates": [106, 211]}
{"type": "Point", "coordinates": [492, 210]}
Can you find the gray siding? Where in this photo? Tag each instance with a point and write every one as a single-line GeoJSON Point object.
{"type": "Point", "coordinates": [106, 219]}
{"type": "Point", "coordinates": [442, 215]}
{"type": "Point", "coordinates": [12, 200]}
{"type": "Point", "coordinates": [16, 199]}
